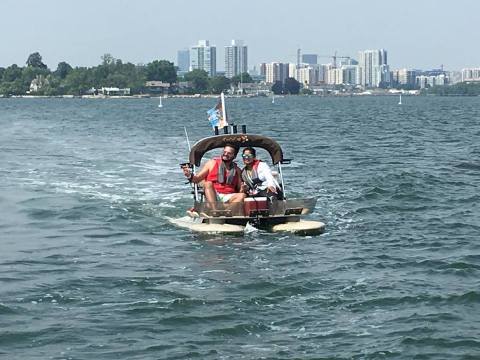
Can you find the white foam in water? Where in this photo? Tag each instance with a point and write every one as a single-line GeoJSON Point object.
{"type": "Point", "coordinates": [249, 228]}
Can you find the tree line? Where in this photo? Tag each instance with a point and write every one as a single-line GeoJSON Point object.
{"type": "Point", "coordinates": [66, 80]}
{"type": "Point", "coordinates": [459, 89]}
{"type": "Point", "coordinates": [112, 72]}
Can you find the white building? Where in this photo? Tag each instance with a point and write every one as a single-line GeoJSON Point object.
{"type": "Point", "coordinates": [204, 57]}
{"type": "Point", "coordinates": [236, 59]}
{"type": "Point", "coordinates": [276, 72]}
{"type": "Point", "coordinates": [37, 83]}
{"type": "Point", "coordinates": [471, 74]}
{"type": "Point", "coordinates": [334, 76]}
{"type": "Point", "coordinates": [424, 81]}
{"type": "Point", "coordinates": [306, 74]}
{"type": "Point", "coordinates": [114, 91]}
{"type": "Point", "coordinates": [323, 73]}
{"type": "Point", "coordinates": [373, 68]}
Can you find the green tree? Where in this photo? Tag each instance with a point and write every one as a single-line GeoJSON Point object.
{"type": "Point", "coordinates": [161, 70]}
{"type": "Point", "coordinates": [16, 87]}
{"type": "Point", "coordinates": [460, 89]}
{"type": "Point", "coordinates": [12, 73]}
{"type": "Point", "coordinates": [78, 81]}
{"type": "Point", "coordinates": [35, 60]}
{"type": "Point", "coordinates": [218, 84]}
{"type": "Point", "coordinates": [11, 82]}
{"type": "Point", "coordinates": [277, 88]}
{"type": "Point", "coordinates": [63, 69]}
{"type": "Point", "coordinates": [2, 70]}
{"type": "Point", "coordinates": [107, 59]}
{"type": "Point", "coordinates": [245, 78]}
{"type": "Point", "coordinates": [199, 79]}
{"type": "Point", "coordinates": [292, 86]}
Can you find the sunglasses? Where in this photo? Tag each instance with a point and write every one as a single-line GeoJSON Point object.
{"type": "Point", "coordinates": [248, 156]}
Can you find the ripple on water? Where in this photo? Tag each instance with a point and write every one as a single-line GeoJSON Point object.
{"type": "Point", "coordinates": [91, 267]}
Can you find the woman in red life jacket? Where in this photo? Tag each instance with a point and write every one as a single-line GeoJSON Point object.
{"type": "Point", "coordinates": [221, 177]}
{"type": "Point", "coordinates": [257, 175]}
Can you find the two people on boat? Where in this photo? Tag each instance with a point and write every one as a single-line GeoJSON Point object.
{"type": "Point", "coordinates": [223, 180]}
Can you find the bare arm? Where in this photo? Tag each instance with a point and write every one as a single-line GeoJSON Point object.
{"type": "Point", "coordinates": [202, 174]}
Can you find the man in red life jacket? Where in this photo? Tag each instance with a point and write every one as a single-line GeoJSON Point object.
{"type": "Point", "coordinates": [221, 177]}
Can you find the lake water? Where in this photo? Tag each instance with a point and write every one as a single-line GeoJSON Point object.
{"type": "Point", "coordinates": [91, 267]}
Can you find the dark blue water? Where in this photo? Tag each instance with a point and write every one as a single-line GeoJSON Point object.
{"type": "Point", "coordinates": [92, 268]}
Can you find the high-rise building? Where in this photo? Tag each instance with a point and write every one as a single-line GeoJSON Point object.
{"type": "Point", "coordinates": [236, 59]}
{"type": "Point", "coordinates": [323, 73]}
{"type": "Point", "coordinates": [183, 60]}
{"type": "Point", "coordinates": [276, 72]}
{"type": "Point", "coordinates": [404, 77]}
{"type": "Point", "coordinates": [349, 74]}
{"type": "Point", "coordinates": [204, 57]}
{"type": "Point", "coordinates": [373, 68]}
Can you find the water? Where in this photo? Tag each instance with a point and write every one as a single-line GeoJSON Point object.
{"type": "Point", "coordinates": [91, 268]}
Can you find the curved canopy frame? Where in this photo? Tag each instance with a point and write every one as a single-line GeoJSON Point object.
{"type": "Point", "coordinates": [239, 140]}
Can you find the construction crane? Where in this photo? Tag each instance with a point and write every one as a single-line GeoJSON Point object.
{"type": "Point", "coordinates": [334, 58]}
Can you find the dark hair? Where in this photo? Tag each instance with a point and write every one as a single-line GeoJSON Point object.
{"type": "Point", "coordinates": [251, 149]}
{"type": "Point", "coordinates": [236, 148]}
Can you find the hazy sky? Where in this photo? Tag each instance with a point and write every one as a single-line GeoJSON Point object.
{"type": "Point", "coordinates": [420, 34]}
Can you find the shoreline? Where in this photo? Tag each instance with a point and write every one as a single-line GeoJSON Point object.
{"type": "Point", "coordinates": [203, 96]}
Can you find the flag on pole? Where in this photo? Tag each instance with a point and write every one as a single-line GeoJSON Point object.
{"type": "Point", "coordinates": [216, 115]}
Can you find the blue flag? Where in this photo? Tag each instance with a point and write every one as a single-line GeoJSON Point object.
{"type": "Point", "coordinates": [215, 116]}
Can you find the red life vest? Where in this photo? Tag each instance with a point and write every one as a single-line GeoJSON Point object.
{"type": "Point", "coordinates": [223, 183]}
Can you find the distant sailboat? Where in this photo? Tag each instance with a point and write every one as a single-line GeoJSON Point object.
{"type": "Point", "coordinates": [273, 98]}
{"type": "Point", "coordinates": [400, 100]}
{"type": "Point", "coordinates": [160, 104]}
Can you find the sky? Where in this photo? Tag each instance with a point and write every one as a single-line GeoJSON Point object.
{"type": "Point", "coordinates": [419, 34]}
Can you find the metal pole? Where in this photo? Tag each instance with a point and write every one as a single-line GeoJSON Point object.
{"type": "Point", "coordinates": [195, 186]}
{"type": "Point", "coordinates": [224, 111]}
{"type": "Point", "coordinates": [281, 179]}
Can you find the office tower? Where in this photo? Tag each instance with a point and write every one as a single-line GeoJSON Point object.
{"type": "Point", "coordinates": [373, 68]}
{"type": "Point", "coordinates": [183, 60]}
{"type": "Point", "coordinates": [236, 59]}
{"type": "Point", "coordinates": [204, 57]}
{"type": "Point", "coordinates": [310, 59]}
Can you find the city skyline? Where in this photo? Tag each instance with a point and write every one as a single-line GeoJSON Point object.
{"type": "Point", "coordinates": [420, 35]}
